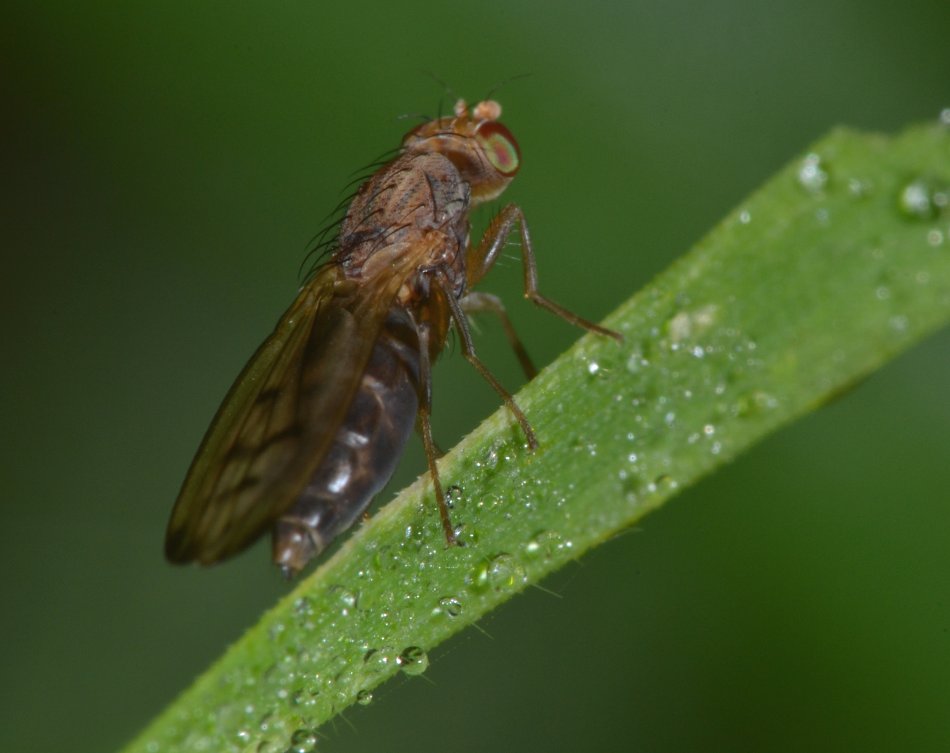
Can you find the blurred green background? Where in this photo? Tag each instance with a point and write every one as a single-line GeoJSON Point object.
{"type": "Point", "coordinates": [164, 167]}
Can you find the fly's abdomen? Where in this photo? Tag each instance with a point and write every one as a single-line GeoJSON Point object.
{"type": "Point", "coordinates": [364, 452]}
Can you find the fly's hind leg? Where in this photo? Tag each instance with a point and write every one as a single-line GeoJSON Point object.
{"type": "Point", "coordinates": [439, 452]}
{"type": "Point", "coordinates": [424, 426]}
{"type": "Point", "coordinates": [481, 258]}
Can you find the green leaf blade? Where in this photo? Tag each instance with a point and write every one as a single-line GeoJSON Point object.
{"type": "Point", "coordinates": [836, 265]}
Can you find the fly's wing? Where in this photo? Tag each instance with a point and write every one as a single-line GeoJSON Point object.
{"type": "Point", "coordinates": [279, 418]}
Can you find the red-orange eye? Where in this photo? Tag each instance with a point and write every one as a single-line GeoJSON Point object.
{"type": "Point", "coordinates": [500, 147]}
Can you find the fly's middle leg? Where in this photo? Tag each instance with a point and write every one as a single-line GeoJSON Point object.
{"type": "Point", "coordinates": [476, 302]}
{"type": "Point", "coordinates": [468, 350]}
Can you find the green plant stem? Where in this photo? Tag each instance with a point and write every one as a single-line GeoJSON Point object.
{"type": "Point", "coordinates": [837, 264]}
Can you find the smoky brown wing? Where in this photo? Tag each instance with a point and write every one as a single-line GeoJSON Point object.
{"type": "Point", "coordinates": [277, 421]}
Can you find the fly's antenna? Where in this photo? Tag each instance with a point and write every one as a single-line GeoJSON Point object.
{"type": "Point", "coordinates": [446, 90]}
{"type": "Point", "coordinates": [503, 82]}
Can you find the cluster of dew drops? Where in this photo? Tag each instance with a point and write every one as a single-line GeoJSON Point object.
{"type": "Point", "coordinates": [921, 198]}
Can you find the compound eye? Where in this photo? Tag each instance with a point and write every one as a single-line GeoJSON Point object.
{"type": "Point", "coordinates": [500, 147]}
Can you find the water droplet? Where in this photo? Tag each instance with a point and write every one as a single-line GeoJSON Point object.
{"type": "Point", "coordinates": [387, 558]}
{"type": "Point", "coordinates": [505, 573]}
{"type": "Point", "coordinates": [364, 697]}
{"type": "Point", "coordinates": [899, 324]}
{"type": "Point", "coordinates": [859, 188]}
{"type": "Point", "coordinates": [593, 367]}
{"type": "Point", "coordinates": [450, 606]}
{"type": "Point", "coordinates": [544, 544]}
{"type": "Point", "coordinates": [453, 495]}
{"type": "Point", "coordinates": [662, 484]}
{"type": "Point", "coordinates": [413, 660]}
{"type": "Point", "coordinates": [347, 600]}
{"type": "Point", "coordinates": [935, 238]}
{"type": "Point", "coordinates": [302, 741]}
{"type": "Point", "coordinates": [945, 117]}
{"type": "Point", "coordinates": [679, 327]}
{"type": "Point", "coordinates": [465, 534]}
{"type": "Point", "coordinates": [500, 573]}
{"type": "Point", "coordinates": [917, 200]}
{"type": "Point", "coordinates": [632, 486]}
{"type": "Point", "coordinates": [812, 174]}
{"type": "Point", "coordinates": [264, 723]}
{"type": "Point", "coordinates": [378, 660]}
{"type": "Point", "coordinates": [754, 403]}
{"type": "Point", "coordinates": [636, 361]}
{"type": "Point", "coordinates": [745, 217]}
{"type": "Point", "coordinates": [687, 324]}
{"type": "Point", "coordinates": [882, 293]}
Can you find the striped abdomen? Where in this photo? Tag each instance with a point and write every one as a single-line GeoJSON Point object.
{"type": "Point", "coordinates": [364, 452]}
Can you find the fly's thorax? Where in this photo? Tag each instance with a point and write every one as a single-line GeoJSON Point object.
{"type": "Point", "coordinates": [401, 206]}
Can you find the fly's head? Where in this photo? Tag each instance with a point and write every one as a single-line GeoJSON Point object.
{"type": "Point", "coordinates": [481, 148]}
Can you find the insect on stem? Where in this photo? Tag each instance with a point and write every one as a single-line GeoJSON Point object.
{"type": "Point", "coordinates": [315, 423]}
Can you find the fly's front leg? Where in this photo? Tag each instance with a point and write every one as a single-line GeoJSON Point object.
{"type": "Point", "coordinates": [481, 258]}
{"type": "Point", "coordinates": [468, 350]}
{"type": "Point", "coordinates": [476, 302]}
{"type": "Point", "coordinates": [425, 429]}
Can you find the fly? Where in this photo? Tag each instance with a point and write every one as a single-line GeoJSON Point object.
{"type": "Point", "coordinates": [315, 423]}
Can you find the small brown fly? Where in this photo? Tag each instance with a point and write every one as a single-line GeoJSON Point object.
{"type": "Point", "coordinates": [314, 425]}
